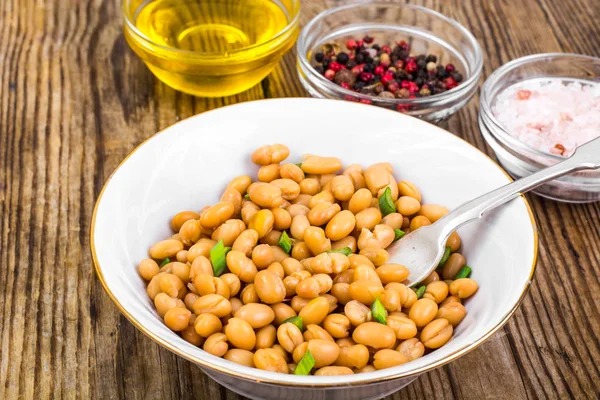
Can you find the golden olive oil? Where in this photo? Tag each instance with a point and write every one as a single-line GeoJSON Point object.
{"type": "Point", "coordinates": [211, 48]}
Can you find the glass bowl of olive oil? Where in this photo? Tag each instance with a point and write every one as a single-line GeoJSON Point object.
{"type": "Point", "coordinates": [211, 48]}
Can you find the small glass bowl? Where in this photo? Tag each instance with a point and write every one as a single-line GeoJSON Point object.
{"type": "Point", "coordinates": [518, 158]}
{"type": "Point", "coordinates": [427, 31]}
{"type": "Point", "coordinates": [211, 71]}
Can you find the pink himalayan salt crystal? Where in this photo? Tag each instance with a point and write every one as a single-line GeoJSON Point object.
{"type": "Point", "coordinates": [551, 116]}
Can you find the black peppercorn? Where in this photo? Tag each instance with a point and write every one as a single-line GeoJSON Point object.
{"type": "Point", "coordinates": [421, 64]}
{"type": "Point", "coordinates": [419, 81]}
{"type": "Point", "coordinates": [342, 58]}
{"type": "Point", "coordinates": [368, 68]}
{"type": "Point", "coordinates": [358, 86]}
{"type": "Point", "coordinates": [421, 57]}
{"type": "Point", "coordinates": [320, 69]}
{"type": "Point", "coordinates": [441, 72]}
{"type": "Point", "coordinates": [376, 47]}
{"type": "Point", "coordinates": [351, 64]}
{"type": "Point", "coordinates": [319, 57]}
{"type": "Point", "coordinates": [431, 58]}
{"type": "Point", "coordinates": [410, 77]}
{"type": "Point", "coordinates": [457, 76]}
{"type": "Point", "coordinates": [360, 58]}
{"type": "Point", "coordinates": [401, 74]}
{"type": "Point", "coordinates": [403, 54]}
{"type": "Point", "coordinates": [369, 59]}
{"type": "Point", "coordinates": [421, 73]}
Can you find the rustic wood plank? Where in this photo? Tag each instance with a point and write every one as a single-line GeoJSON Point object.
{"type": "Point", "coordinates": [74, 100]}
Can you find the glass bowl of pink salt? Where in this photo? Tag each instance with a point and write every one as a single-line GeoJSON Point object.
{"type": "Point", "coordinates": [536, 110]}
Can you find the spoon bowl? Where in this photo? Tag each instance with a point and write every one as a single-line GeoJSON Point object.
{"type": "Point", "coordinates": [419, 251]}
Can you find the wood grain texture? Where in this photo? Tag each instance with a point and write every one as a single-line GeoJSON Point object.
{"type": "Point", "coordinates": [74, 100]}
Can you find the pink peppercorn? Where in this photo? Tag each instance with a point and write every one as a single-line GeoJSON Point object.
{"type": "Point", "coordinates": [404, 46]}
{"type": "Point", "coordinates": [411, 59]}
{"type": "Point", "coordinates": [402, 107]}
{"type": "Point", "coordinates": [450, 68]}
{"type": "Point", "coordinates": [386, 49]}
{"type": "Point", "coordinates": [330, 74]}
{"type": "Point", "coordinates": [412, 97]}
{"type": "Point", "coordinates": [413, 88]}
{"type": "Point", "coordinates": [411, 66]}
{"type": "Point", "coordinates": [385, 79]}
{"type": "Point", "coordinates": [393, 86]}
{"type": "Point", "coordinates": [345, 85]}
{"type": "Point", "coordinates": [350, 98]}
{"type": "Point", "coordinates": [405, 84]}
{"type": "Point", "coordinates": [351, 44]}
{"type": "Point", "coordinates": [450, 83]}
{"type": "Point", "coordinates": [360, 43]}
{"type": "Point", "coordinates": [335, 66]}
{"type": "Point", "coordinates": [358, 69]}
{"type": "Point", "coordinates": [379, 70]}
{"type": "Point", "coordinates": [366, 76]}
{"type": "Point", "coordinates": [366, 101]}
{"type": "Point", "coordinates": [399, 64]}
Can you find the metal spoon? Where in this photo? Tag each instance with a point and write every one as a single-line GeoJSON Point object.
{"type": "Point", "coordinates": [421, 251]}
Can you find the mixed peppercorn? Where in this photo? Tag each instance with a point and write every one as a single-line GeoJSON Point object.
{"type": "Point", "coordinates": [372, 69]}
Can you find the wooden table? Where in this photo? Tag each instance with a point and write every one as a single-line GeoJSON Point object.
{"type": "Point", "coordinates": [74, 100]}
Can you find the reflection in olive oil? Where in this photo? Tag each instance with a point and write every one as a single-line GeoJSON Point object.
{"type": "Point", "coordinates": [210, 26]}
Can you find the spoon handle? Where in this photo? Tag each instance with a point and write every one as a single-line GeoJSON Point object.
{"type": "Point", "coordinates": [586, 156]}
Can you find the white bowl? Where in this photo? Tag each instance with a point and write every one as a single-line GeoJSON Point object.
{"type": "Point", "coordinates": [187, 166]}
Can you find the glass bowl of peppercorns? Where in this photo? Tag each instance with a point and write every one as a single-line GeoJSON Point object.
{"type": "Point", "coordinates": [402, 57]}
